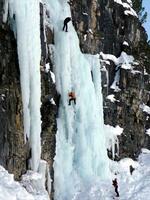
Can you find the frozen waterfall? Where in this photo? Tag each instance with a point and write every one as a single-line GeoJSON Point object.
{"type": "Point", "coordinates": [80, 142]}
{"type": "Point", "coordinates": [26, 16]}
{"type": "Point", "coordinates": [81, 156]}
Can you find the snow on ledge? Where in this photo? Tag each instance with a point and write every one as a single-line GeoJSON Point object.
{"type": "Point", "coordinates": [52, 101]}
{"type": "Point", "coordinates": [125, 43]}
{"type": "Point", "coordinates": [124, 60]}
{"type": "Point", "coordinates": [53, 76]}
{"type": "Point", "coordinates": [109, 57]}
{"type": "Point", "coordinates": [145, 108]}
{"type": "Point", "coordinates": [128, 6]}
{"type": "Point", "coordinates": [148, 132]}
{"type": "Point", "coordinates": [111, 97]}
{"type": "Point", "coordinates": [146, 151]}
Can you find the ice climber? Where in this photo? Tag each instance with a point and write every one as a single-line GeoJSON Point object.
{"type": "Point", "coordinates": [115, 184]}
{"type": "Point", "coordinates": [72, 97]}
{"type": "Point", "coordinates": [131, 169]}
{"type": "Point", "coordinates": [65, 27]}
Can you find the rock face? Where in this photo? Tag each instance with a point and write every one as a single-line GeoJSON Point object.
{"type": "Point", "coordinates": [50, 97]}
{"type": "Point", "coordinates": [104, 26]}
{"type": "Point", "coordinates": [13, 150]}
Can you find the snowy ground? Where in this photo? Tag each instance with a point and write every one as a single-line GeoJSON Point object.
{"type": "Point", "coordinates": [131, 187]}
{"type": "Point", "coordinates": [29, 189]}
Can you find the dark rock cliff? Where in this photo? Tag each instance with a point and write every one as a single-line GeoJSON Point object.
{"type": "Point", "coordinates": [103, 26]}
{"type": "Point", "coordinates": [13, 150]}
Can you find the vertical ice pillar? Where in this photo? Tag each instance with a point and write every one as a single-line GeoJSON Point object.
{"type": "Point", "coordinates": [27, 17]}
{"type": "Point", "coordinates": [81, 155]}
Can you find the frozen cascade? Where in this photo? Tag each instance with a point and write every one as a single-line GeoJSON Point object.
{"type": "Point", "coordinates": [80, 142]}
{"type": "Point", "coordinates": [26, 14]}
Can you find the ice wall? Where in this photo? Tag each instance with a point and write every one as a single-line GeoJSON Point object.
{"type": "Point", "coordinates": [26, 15]}
{"type": "Point", "coordinates": [80, 142]}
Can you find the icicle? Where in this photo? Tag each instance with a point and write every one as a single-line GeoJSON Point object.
{"type": "Point", "coordinates": [29, 52]}
{"type": "Point", "coordinates": [112, 141]}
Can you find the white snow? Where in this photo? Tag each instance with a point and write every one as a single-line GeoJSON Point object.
{"type": "Point", "coordinates": [131, 187]}
{"type": "Point", "coordinates": [10, 189]}
{"type": "Point", "coordinates": [148, 131]}
{"type": "Point", "coordinates": [85, 37]}
{"type": "Point", "coordinates": [115, 84]}
{"type": "Point", "coordinates": [29, 53]}
{"type": "Point", "coordinates": [135, 71]}
{"type": "Point", "coordinates": [105, 61]}
{"type": "Point", "coordinates": [130, 2]}
{"type": "Point", "coordinates": [47, 67]}
{"type": "Point", "coordinates": [52, 101]}
{"type": "Point", "coordinates": [124, 61]}
{"type": "Point", "coordinates": [53, 76]}
{"type": "Point", "coordinates": [125, 43]}
{"type": "Point", "coordinates": [109, 57]}
{"type": "Point", "coordinates": [90, 31]}
{"type": "Point", "coordinates": [84, 13]}
{"type": "Point", "coordinates": [111, 97]}
{"type": "Point", "coordinates": [128, 6]}
{"type": "Point", "coordinates": [145, 108]}
{"type": "Point", "coordinates": [33, 183]}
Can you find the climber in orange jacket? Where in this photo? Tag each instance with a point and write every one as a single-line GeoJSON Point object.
{"type": "Point", "coordinates": [72, 97]}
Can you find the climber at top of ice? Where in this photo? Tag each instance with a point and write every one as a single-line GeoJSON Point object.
{"type": "Point", "coordinates": [72, 97]}
{"type": "Point", "coordinates": [68, 19]}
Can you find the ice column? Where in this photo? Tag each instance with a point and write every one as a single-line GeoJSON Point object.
{"type": "Point", "coordinates": [81, 154]}
{"type": "Point", "coordinates": [27, 17]}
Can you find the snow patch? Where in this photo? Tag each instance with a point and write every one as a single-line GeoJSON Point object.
{"type": "Point", "coordinates": [145, 108]}
{"type": "Point", "coordinates": [29, 189]}
{"type": "Point", "coordinates": [125, 43]}
{"type": "Point", "coordinates": [111, 97]}
{"type": "Point", "coordinates": [128, 6]}
{"type": "Point", "coordinates": [53, 76]}
{"type": "Point", "coordinates": [148, 131]}
{"type": "Point", "coordinates": [33, 183]}
{"type": "Point", "coordinates": [52, 101]}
